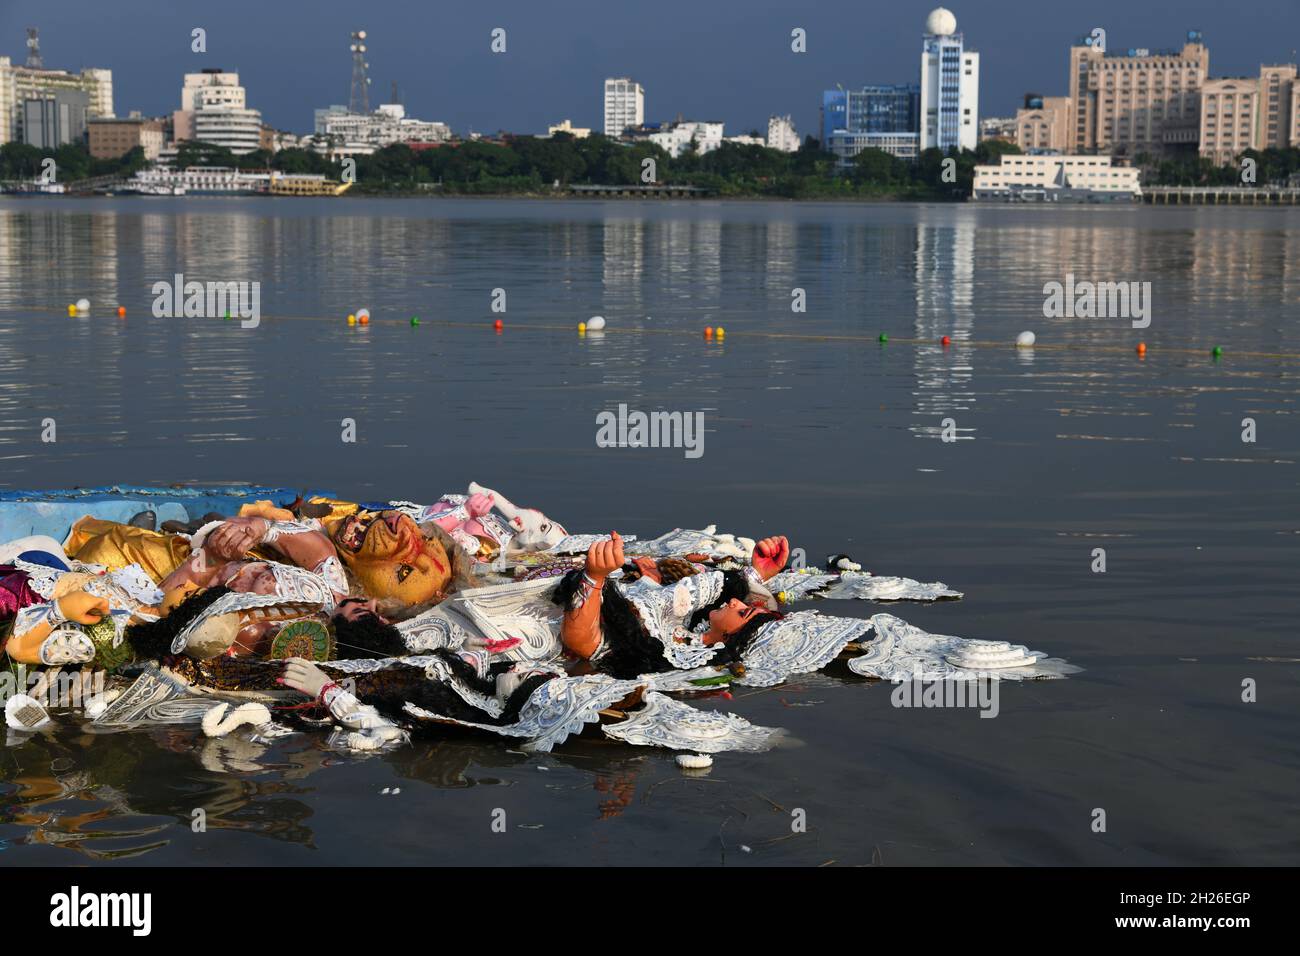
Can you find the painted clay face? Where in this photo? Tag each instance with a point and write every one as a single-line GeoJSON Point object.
{"type": "Point", "coordinates": [731, 617]}
{"type": "Point", "coordinates": [536, 532]}
{"type": "Point", "coordinates": [390, 558]}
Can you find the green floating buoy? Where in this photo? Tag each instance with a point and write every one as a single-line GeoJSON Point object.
{"type": "Point", "coordinates": [415, 320]}
{"type": "Point", "coordinates": [1217, 351]}
{"type": "Point", "coordinates": [884, 337]}
{"type": "Point", "coordinates": [227, 315]}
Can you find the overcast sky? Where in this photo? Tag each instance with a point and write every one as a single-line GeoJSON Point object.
{"type": "Point", "coordinates": [706, 59]}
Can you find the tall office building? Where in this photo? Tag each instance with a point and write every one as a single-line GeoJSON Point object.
{"type": "Point", "coordinates": [1139, 101]}
{"type": "Point", "coordinates": [624, 105]}
{"type": "Point", "coordinates": [874, 117]}
{"type": "Point", "coordinates": [214, 110]}
{"type": "Point", "coordinates": [20, 84]}
{"type": "Point", "coordinates": [950, 86]}
{"type": "Point", "coordinates": [53, 121]}
{"type": "Point", "coordinates": [1277, 86]}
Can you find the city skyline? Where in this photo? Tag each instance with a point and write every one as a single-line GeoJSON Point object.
{"type": "Point", "coordinates": [738, 69]}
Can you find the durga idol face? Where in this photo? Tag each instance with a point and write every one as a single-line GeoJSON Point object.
{"type": "Point", "coordinates": [391, 558]}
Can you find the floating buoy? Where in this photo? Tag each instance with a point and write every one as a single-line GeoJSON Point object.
{"type": "Point", "coordinates": [72, 309]}
{"type": "Point", "coordinates": [945, 341]}
{"type": "Point", "coordinates": [596, 323]}
{"type": "Point", "coordinates": [352, 320]}
{"type": "Point", "coordinates": [363, 318]}
{"type": "Point", "coordinates": [1217, 351]}
{"type": "Point", "coordinates": [227, 315]}
{"type": "Point", "coordinates": [498, 325]}
{"type": "Point", "coordinates": [83, 305]}
{"type": "Point", "coordinates": [1142, 348]}
{"type": "Point", "coordinates": [582, 328]}
{"type": "Point", "coordinates": [1025, 339]}
{"type": "Point", "coordinates": [884, 337]}
{"type": "Point", "coordinates": [415, 320]}
{"type": "Point", "coordinates": [708, 331]}
{"type": "Point", "coordinates": [719, 331]}
{"type": "Point", "coordinates": [121, 312]}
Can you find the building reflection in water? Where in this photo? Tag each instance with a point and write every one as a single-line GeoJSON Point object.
{"type": "Point", "coordinates": [945, 305]}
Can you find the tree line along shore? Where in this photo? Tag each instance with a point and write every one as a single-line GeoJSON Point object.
{"type": "Point", "coordinates": [537, 166]}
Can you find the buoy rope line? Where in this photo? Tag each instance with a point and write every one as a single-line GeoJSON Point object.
{"type": "Point", "coordinates": [528, 326]}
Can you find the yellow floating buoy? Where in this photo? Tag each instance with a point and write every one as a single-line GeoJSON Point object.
{"type": "Point", "coordinates": [582, 328]}
{"type": "Point", "coordinates": [352, 320]}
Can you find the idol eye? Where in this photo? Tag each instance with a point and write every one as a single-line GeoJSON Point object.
{"type": "Point", "coordinates": [403, 572]}
{"type": "Point", "coordinates": [545, 526]}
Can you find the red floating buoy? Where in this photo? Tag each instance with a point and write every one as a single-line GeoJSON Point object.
{"type": "Point", "coordinates": [498, 325]}
{"type": "Point", "coordinates": [121, 311]}
{"type": "Point", "coordinates": [946, 341]}
{"type": "Point", "coordinates": [1142, 348]}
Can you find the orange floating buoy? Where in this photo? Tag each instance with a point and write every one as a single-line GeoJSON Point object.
{"type": "Point", "coordinates": [121, 311]}
{"type": "Point", "coordinates": [708, 331]}
{"type": "Point", "coordinates": [946, 341]}
{"type": "Point", "coordinates": [363, 319]}
{"type": "Point", "coordinates": [498, 325]}
{"type": "Point", "coordinates": [1142, 348]}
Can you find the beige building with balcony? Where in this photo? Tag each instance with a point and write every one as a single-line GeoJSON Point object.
{"type": "Point", "coordinates": [1043, 125]}
{"type": "Point", "coordinates": [1139, 102]}
{"type": "Point", "coordinates": [1229, 117]}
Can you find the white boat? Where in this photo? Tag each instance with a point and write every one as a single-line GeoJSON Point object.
{"type": "Point", "coordinates": [197, 180]}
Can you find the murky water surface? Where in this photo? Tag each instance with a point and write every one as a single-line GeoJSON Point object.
{"type": "Point", "coordinates": [814, 429]}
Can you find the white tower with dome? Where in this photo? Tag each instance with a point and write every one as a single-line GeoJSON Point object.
{"type": "Point", "coordinates": [950, 86]}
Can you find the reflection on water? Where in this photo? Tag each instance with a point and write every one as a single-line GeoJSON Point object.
{"type": "Point", "coordinates": [1076, 444]}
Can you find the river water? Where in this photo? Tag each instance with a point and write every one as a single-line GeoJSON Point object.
{"type": "Point", "coordinates": [813, 428]}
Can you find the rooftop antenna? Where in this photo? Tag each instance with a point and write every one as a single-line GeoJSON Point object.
{"type": "Point", "coordinates": [359, 99]}
{"type": "Point", "coordinates": [34, 60]}
{"type": "Point", "coordinates": [396, 98]}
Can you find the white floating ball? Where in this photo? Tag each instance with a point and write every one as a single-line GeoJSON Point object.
{"type": "Point", "coordinates": [1025, 339]}
{"type": "Point", "coordinates": [83, 305]}
{"type": "Point", "coordinates": [595, 323]}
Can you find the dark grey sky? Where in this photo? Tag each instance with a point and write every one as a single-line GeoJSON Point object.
{"type": "Point", "coordinates": [706, 59]}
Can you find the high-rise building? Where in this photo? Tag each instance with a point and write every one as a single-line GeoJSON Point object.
{"type": "Point", "coordinates": [52, 121]}
{"type": "Point", "coordinates": [1277, 85]}
{"type": "Point", "coordinates": [1229, 114]}
{"type": "Point", "coordinates": [873, 117]}
{"type": "Point", "coordinates": [624, 105]}
{"type": "Point", "coordinates": [19, 84]}
{"type": "Point", "coordinates": [950, 86]}
{"type": "Point", "coordinates": [781, 134]}
{"type": "Point", "coordinates": [1043, 124]}
{"type": "Point", "coordinates": [1139, 101]}
{"type": "Point", "coordinates": [214, 109]}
